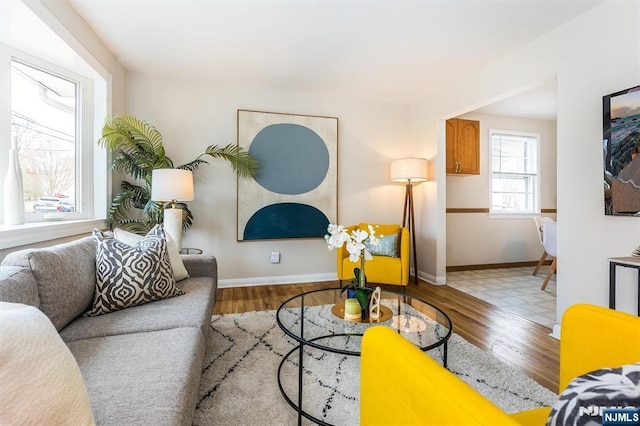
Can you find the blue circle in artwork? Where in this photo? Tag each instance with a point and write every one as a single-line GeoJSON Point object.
{"type": "Point", "coordinates": [286, 220]}
{"type": "Point", "coordinates": [293, 159]}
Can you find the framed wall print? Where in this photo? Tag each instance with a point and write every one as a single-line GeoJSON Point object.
{"type": "Point", "coordinates": [295, 193]}
{"type": "Point", "coordinates": [621, 150]}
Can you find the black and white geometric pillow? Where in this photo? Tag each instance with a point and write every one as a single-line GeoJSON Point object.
{"type": "Point", "coordinates": [132, 275]}
{"type": "Point", "coordinates": [587, 395]}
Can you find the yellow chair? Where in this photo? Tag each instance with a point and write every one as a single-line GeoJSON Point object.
{"type": "Point", "coordinates": [400, 384]}
{"type": "Point", "coordinates": [381, 269]}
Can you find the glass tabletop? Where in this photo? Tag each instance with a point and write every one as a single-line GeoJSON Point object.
{"type": "Point", "coordinates": [315, 318]}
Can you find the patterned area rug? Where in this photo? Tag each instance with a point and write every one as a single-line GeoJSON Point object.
{"type": "Point", "coordinates": [239, 383]}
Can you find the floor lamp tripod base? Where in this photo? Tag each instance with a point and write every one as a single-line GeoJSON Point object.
{"type": "Point", "coordinates": [408, 220]}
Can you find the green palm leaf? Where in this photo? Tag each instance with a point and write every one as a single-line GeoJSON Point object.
{"type": "Point", "coordinates": [137, 226]}
{"type": "Point", "coordinates": [140, 150]}
{"type": "Point", "coordinates": [130, 134]}
{"type": "Point", "coordinates": [241, 161]}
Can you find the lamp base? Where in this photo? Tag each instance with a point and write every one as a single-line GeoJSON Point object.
{"type": "Point", "coordinates": [173, 225]}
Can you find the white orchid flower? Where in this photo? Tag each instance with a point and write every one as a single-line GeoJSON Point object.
{"type": "Point", "coordinates": [359, 235]}
{"type": "Point", "coordinates": [338, 236]}
{"type": "Point", "coordinates": [373, 240]}
{"type": "Point", "coordinates": [334, 229]}
{"type": "Point", "coordinates": [355, 249]}
{"type": "Point", "coordinates": [367, 255]}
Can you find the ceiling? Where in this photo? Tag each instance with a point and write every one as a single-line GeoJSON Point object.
{"type": "Point", "coordinates": [538, 102]}
{"type": "Point", "coordinates": [383, 50]}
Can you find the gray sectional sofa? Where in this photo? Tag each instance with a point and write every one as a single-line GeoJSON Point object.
{"type": "Point", "coordinates": [141, 365]}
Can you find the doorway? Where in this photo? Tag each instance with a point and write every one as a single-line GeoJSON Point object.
{"type": "Point", "coordinates": [492, 256]}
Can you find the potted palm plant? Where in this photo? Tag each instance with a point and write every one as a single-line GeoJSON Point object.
{"type": "Point", "coordinates": [138, 150]}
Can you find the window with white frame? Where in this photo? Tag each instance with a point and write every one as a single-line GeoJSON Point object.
{"type": "Point", "coordinates": [50, 114]}
{"type": "Point", "coordinates": [515, 179]}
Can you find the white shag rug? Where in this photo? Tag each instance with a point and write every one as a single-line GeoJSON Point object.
{"type": "Point", "coordinates": [239, 384]}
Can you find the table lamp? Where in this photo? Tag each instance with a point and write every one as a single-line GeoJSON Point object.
{"type": "Point", "coordinates": [410, 170]}
{"type": "Point", "coordinates": [172, 185]}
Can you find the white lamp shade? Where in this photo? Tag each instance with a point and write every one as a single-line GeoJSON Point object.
{"type": "Point", "coordinates": [409, 169]}
{"type": "Point", "coordinates": [172, 184]}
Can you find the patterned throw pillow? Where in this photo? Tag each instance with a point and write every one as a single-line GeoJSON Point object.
{"type": "Point", "coordinates": [132, 275]}
{"type": "Point", "coordinates": [387, 246]}
{"type": "Point", "coordinates": [177, 265]}
{"type": "Point", "coordinates": [585, 397]}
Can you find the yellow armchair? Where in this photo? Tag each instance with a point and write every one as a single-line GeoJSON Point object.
{"type": "Point", "coordinates": [400, 384]}
{"type": "Point", "coordinates": [381, 269]}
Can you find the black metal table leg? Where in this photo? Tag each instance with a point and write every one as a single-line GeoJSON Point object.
{"type": "Point", "coordinates": [444, 355]}
{"type": "Point", "coordinates": [300, 368]}
{"type": "Point", "coordinates": [612, 285]}
{"type": "Point", "coordinates": [300, 363]}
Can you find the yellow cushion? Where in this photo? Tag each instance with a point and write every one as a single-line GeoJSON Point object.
{"type": "Point", "coordinates": [537, 416]}
{"type": "Point", "coordinates": [381, 270]}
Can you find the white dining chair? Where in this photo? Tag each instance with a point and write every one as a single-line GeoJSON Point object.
{"type": "Point", "coordinates": [539, 221]}
{"type": "Point", "coordinates": [550, 243]}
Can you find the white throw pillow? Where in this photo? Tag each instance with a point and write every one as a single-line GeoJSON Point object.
{"type": "Point", "coordinates": [40, 381]}
{"type": "Point", "coordinates": [179, 271]}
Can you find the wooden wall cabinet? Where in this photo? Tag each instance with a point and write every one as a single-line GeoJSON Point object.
{"type": "Point", "coordinates": [463, 147]}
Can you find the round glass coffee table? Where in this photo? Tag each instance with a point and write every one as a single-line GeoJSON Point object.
{"type": "Point", "coordinates": [315, 320]}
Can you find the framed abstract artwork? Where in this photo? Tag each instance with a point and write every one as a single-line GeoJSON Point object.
{"type": "Point", "coordinates": [295, 193]}
{"type": "Point", "coordinates": [621, 150]}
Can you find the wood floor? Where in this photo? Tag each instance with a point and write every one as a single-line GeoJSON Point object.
{"type": "Point", "coordinates": [515, 340]}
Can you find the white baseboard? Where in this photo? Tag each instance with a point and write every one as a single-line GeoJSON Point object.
{"type": "Point", "coordinates": [306, 278]}
{"type": "Point", "coordinates": [285, 279]}
{"type": "Point", "coordinates": [556, 331]}
{"type": "Point", "coordinates": [432, 279]}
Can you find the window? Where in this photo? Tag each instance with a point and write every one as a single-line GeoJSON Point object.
{"type": "Point", "coordinates": [515, 181]}
{"type": "Point", "coordinates": [53, 102]}
{"type": "Point", "coordinates": [47, 128]}
{"type": "Point", "coordinates": [50, 114]}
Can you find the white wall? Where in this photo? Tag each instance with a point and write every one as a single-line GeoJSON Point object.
{"type": "Point", "coordinates": [73, 29]}
{"type": "Point", "coordinates": [477, 238]}
{"type": "Point", "coordinates": [194, 114]}
{"type": "Point", "coordinates": [593, 55]}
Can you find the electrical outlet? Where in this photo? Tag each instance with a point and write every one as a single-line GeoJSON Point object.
{"type": "Point", "coordinates": [275, 257]}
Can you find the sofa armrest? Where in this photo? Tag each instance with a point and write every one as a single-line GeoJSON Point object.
{"type": "Point", "coordinates": [594, 337]}
{"type": "Point", "coordinates": [200, 265]}
{"type": "Point", "coordinates": [400, 384]}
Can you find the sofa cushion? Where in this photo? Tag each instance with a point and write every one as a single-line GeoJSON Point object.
{"type": "Point", "coordinates": [142, 378]}
{"type": "Point", "coordinates": [17, 285]}
{"type": "Point", "coordinates": [65, 275]}
{"type": "Point", "coordinates": [193, 309]}
{"type": "Point", "coordinates": [41, 382]}
{"type": "Point", "coordinates": [132, 275]}
{"type": "Point", "coordinates": [607, 387]}
{"type": "Point", "coordinates": [177, 266]}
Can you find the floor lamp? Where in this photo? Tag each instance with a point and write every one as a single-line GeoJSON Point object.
{"type": "Point", "coordinates": [172, 185]}
{"type": "Point", "coordinates": [410, 170]}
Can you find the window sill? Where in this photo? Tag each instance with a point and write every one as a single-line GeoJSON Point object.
{"type": "Point", "coordinates": [30, 233]}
